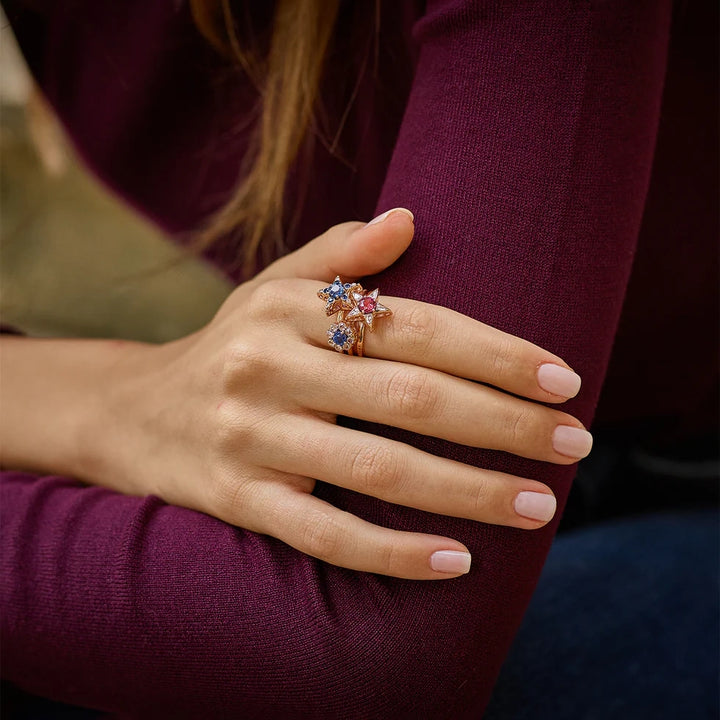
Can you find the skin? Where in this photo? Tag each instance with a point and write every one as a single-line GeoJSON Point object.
{"type": "Point", "coordinates": [238, 419]}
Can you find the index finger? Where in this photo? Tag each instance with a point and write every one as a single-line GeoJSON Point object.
{"type": "Point", "coordinates": [437, 337]}
{"type": "Point", "coordinates": [441, 338]}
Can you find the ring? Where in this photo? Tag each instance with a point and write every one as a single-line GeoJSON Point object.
{"type": "Point", "coordinates": [356, 310]}
{"type": "Point", "coordinates": [342, 337]}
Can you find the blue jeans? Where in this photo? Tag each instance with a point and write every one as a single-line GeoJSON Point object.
{"type": "Point", "coordinates": [623, 625]}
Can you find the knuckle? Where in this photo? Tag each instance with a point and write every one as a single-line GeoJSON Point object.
{"type": "Point", "coordinates": [375, 470]}
{"type": "Point", "coordinates": [226, 431]}
{"type": "Point", "coordinates": [265, 300]}
{"type": "Point", "coordinates": [502, 358]}
{"type": "Point", "coordinates": [390, 560]}
{"type": "Point", "coordinates": [480, 497]}
{"type": "Point", "coordinates": [413, 394]}
{"type": "Point", "coordinates": [419, 327]}
{"type": "Point", "coordinates": [228, 493]}
{"type": "Point", "coordinates": [522, 427]}
{"type": "Point", "coordinates": [235, 430]}
{"type": "Point", "coordinates": [245, 359]}
{"type": "Point", "coordinates": [223, 491]}
{"type": "Point", "coordinates": [322, 537]}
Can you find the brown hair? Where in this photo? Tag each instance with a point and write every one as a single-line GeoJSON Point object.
{"type": "Point", "coordinates": [288, 81]}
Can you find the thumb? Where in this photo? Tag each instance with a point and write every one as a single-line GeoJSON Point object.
{"type": "Point", "coordinates": [350, 249]}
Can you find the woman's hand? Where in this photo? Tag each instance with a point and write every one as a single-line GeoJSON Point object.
{"type": "Point", "coordinates": [238, 419]}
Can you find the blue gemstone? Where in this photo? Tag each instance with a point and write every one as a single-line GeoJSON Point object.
{"type": "Point", "coordinates": [335, 290]}
{"type": "Point", "coordinates": [340, 337]}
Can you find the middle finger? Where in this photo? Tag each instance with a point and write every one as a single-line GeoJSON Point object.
{"type": "Point", "coordinates": [433, 403]}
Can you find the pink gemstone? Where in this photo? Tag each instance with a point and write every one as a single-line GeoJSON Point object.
{"type": "Point", "coordinates": [367, 305]}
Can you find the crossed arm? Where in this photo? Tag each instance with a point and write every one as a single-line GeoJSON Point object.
{"type": "Point", "coordinates": [525, 154]}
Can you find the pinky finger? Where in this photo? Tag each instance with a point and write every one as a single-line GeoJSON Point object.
{"type": "Point", "coordinates": [321, 530]}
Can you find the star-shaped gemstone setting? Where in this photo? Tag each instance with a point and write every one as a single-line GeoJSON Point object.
{"type": "Point", "coordinates": [366, 309]}
{"type": "Point", "coordinates": [337, 296]}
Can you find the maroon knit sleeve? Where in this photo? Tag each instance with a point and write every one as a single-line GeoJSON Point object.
{"type": "Point", "coordinates": [525, 153]}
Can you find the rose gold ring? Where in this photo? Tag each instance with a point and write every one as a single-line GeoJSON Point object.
{"type": "Point", "coordinates": [356, 310]}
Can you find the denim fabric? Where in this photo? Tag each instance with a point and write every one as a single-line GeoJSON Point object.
{"type": "Point", "coordinates": [623, 625]}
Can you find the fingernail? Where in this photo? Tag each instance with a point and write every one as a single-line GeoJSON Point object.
{"type": "Point", "coordinates": [572, 441]}
{"type": "Point", "coordinates": [558, 380]}
{"type": "Point", "coordinates": [382, 217]}
{"type": "Point", "coordinates": [450, 561]}
{"type": "Point", "coordinates": [536, 506]}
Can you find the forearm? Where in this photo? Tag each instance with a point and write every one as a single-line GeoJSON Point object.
{"type": "Point", "coordinates": [55, 416]}
{"type": "Point", "coordinates": [544, 215]}
{"type": "Point", "coordinates": [528, 186]}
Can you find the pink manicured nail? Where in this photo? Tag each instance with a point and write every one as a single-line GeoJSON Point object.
{"type": "Point", "coordinates": [382, 217]}
{"type": "Point", "coordinates": [450, 561]}
{"type": "Point", "coordinates": [572, 441]}
{"type": "Point", "coordinates": [536, 506]}
{"type": "Point", "coordinates": [558, 380]}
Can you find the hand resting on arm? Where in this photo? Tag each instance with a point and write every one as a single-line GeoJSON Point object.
{"type": "Point", "coordinates": [238, 419]}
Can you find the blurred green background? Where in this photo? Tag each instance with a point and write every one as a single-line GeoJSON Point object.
{"type": "Point", "coordinates": [74, 260]}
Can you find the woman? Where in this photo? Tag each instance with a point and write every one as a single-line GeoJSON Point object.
{"type": "Point", "coordinates": [522, 145]}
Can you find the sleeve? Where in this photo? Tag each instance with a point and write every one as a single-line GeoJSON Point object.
{"type": "Point", "coordinates": [525, 153]}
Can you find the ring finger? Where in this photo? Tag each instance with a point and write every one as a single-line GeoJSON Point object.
{"type": "Point", "coordinates": [404, 475]}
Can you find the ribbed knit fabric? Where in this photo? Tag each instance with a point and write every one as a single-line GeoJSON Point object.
{"type": "Point", "coordinates": [521, 135]}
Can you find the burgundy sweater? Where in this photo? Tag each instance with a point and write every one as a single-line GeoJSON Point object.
{"type": "Point", "coordinates": [522, 136]}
